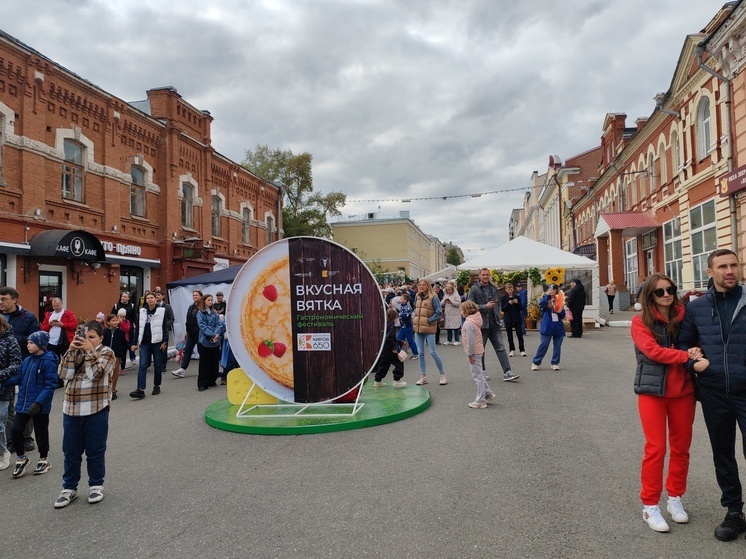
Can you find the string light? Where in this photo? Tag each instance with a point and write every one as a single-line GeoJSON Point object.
{"type": "Point", "coordinates": [474, 195]}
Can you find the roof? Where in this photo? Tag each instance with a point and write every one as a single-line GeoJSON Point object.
{"type": "Point", "coordinates": [522, 253]}
{"type": "Point", "coordinates": [226, 275]}
{"type": "Point", "coordinates": [631, 224]}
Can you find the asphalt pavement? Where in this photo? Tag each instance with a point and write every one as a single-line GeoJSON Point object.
{"type": "Point", "coordinates": [550, 470]}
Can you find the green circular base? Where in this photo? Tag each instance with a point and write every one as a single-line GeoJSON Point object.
{"type": "Point", "coordinates": [382, 405]}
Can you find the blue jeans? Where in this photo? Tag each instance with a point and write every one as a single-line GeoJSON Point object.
{"type": "Point", "coordinates": [407, 332]}
{"type": "Point", "coordinates": [148, 352]}
{"type": "Point", "coordinates": [430, 339]}
{"type": "Point", "coordinates": [541, 351]}
{"type": "Point", "coordinates": [3, 419]}
{"type": "Point", "coordinates": [455, 333]}
{"type": "Point", "coordinates": [87, 433]}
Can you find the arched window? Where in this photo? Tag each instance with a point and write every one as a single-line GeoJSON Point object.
{"type": "Point", "coordinates": [137, 191]}
{"type": "Point", "coordinates": [215, 213]}
{"type": "Point", "coordinates": [187, 205]}
{"type": "Point", "coordinates": [662, 158]}
{"type": "Point", "coordinates": [651, 173]}
{"type": "Point", "coordinates": [270, 225]}
{"type": "Point", "coordinates": [676, 160]}
{"type": "Point", "coordinates": [703, 129]}
{"type": "Point", "coordinates": [72, 172]}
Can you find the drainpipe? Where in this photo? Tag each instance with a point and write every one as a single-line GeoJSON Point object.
{"type": "Point", "coordinates": [700, 50]}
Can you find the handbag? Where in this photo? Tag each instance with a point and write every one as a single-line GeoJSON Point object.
{"type": "Point", "coordinates": [568, 314]}
{"type": "Point", "coordinates": [402, 355]}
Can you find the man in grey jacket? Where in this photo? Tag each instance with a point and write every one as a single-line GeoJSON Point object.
{"type": "Point", "coordinates": [487, 298]}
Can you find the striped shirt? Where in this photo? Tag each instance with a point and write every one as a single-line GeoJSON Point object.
{"type": "Point", "coordinates": [86, 375]}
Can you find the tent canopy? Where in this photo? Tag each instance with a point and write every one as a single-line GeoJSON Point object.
{"type": "Point", "coordinates": [522, 253]}
{"type": "Point", "coordinates": [226, 275]}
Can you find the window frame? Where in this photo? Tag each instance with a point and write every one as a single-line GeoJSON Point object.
{"type": "Point", "coordinates": [73, 172]}
{"type": "Point", "coordinates": [246, 226]}
{"type": "Point", "coordinates": [137, 192]}
{"type": "Point", "coordinates": [215, 213]}
{"type": "Point", "coordinates": [704, 133]}
{"type": "Point", "coordinates": [699, 236]}
{"type": "Point", "coordinates": [631, 263]}
{"type": "Point", "coordinates": [187, 205]}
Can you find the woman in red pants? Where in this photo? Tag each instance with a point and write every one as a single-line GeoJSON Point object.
{"type": "Point", "coordinates": [666, 398]}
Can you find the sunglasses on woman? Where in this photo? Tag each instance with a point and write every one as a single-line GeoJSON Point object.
{"type": "Point", "coordinates": [671, 290]}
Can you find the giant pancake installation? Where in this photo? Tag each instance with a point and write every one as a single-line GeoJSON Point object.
{"type": "Point", "coordinates": [306, 321]}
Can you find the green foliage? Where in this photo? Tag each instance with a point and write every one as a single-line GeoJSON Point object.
{"type": "Point", "coordinates": [305, 211]}
{"type": "Point", "coordinates": [463, 278]}
{"type": "Point", "coordinates": [535, 276]}
{"type": "Point", "coordinates": [453, 257]}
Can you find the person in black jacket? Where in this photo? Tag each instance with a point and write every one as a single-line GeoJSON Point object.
{"type": "Point", "coordinates": [389, 354]}
{"type": "Point", "coordinates": [575, 301]}
{"type": "Point", "coordinates": [716, 323]}
{"type": "Point", "coordinates": [512, 308]}
{"type": "Point", "coordinates": [192, 334]}
{"type": "Point", "coordinates": [131, 314]}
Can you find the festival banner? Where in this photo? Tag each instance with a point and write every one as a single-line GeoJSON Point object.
{"type": "Point", "coordinates": [305, 319]}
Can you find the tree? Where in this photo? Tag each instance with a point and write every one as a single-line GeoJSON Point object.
{"type": "Point", "coordinates": [305, 211]}
{"type": "Point", "coordinates": [453, 257]}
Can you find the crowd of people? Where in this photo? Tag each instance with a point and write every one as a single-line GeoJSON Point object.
{"type": "Point", "coordinates": [85, 361]}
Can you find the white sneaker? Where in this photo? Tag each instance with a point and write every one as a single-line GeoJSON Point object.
{"type": "Point", "coordinates": [477, 405]}
{"type": "Point", "coordinates": [379, 384]}
{"type": "Point", "coordinates": [678, 514]}
{"type": "Point", "coordinates": [511, 354]}
{"type": "Point", "coordinates": [555, 367]}
{"type": "Point", "coordinates": [534, 367]}
{"type": "Point", "coordinates": [399, 383]}
{"type": "Point", "coordinates": [96, 494]}
{"type": "Point", "coordinates": [652, 515]}
{"type": "Point", "coordinates": [523, 354]}
{"type": "Point", "coordinates": [456, 343]}
{"type": "Point", "coordinates": [423, 380]}
{"type": "Point", "coordinates": [5, 462]}
{"type": "Point", "coordinates": [490, 397]}
{"type": "Point", "coordinates": [179, 373]}
{"type": "Point", "coordinates": [443, 380]}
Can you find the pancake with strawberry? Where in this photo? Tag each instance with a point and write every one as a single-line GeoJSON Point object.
{"type": "Point", "coordinates": [266, 323]}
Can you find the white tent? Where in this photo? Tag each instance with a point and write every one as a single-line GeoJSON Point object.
{"type": "Point", "coordinates": [523, 253]}
{"type": "Point", "coordinates": [447, 273]}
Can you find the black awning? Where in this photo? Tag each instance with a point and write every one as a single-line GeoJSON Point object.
{"type": "Point", "coordinates": [78, 245]}
{"type": "Point", "coordinates": [588, 250]}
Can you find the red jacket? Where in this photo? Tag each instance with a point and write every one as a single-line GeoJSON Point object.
{"type": "Point", "coordinates": [69, 324]}
{"type": "Point", "coordinates": [678, 381]}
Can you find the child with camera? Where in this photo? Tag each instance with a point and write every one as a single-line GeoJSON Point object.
{"type": "Point", "coordinates": [86, 368]}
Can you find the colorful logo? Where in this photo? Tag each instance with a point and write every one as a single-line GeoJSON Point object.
{"type": "Point", "coordinates": [314, 342]}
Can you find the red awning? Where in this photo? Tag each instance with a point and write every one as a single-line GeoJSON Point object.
{"type": "Point", "coordinates": [631, 224]}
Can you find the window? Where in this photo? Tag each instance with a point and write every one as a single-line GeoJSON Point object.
{"type": "Point", "coordinates": [703, 129]}
{"type": "Point", "coordinates": [270, 224]}
{"type": "Point", "coordinates": [2, 141]}
{"type": "Point", "coordinates": [215, 213]}
{"type": "Point", "coordinates": [676, 153]}
{"type": "Point", "coordinates": [72, 172]}
{"type": "Point", "coordinates": [651, 173]}
{"type": "Point", "coordinates": [704, 239]}
{"type": "Point", "coordinates": [662, 156]}
{"type": "Point", "coordinates": [187, 205]}
{"type": "Point", "coordinates": [137, 192]}
{"type": "Point", "coordinates": [246, 226]}
{"type": "Point", "coordinates": [630, 262]}
{"type": "Point", "coordinates": [674, 262]}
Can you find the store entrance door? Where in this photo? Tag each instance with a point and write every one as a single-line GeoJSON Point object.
{"type": "Point", "coordinates": [50, 286]}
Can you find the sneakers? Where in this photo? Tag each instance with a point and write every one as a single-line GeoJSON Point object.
{"type": "Point", "coordinates": [730, 527]}
{"type": "Point", "coordinates": [20, 468]}
{"type": "Point", "coordinates": [66, 497]}
{"type": "Point", "coordinates": [96, 494]}
{"type": "Point", "coordinates": [534, 367]}
{"type": "Point", "coordinates": [491, 396]}
{"type": "Point", "coordinates": [400, 383]}
{"type": "Point", "coordinates": [423, 380]}
{"type": "Point", "coordinates": [415, 357]}
{"type": "Point", "coordinates": [456, 343]}
{"type": "Point", "coordinates": [511, 354]}
{"type": "Point", "coordinates": [477, 405]}
{"type": "Point", "coordinates": [486, 376]}
{"type": "Point", "coordinates": [179, 373]}
{"type": "Point", "coordinates": [139, 394]}
{"type": "Point", "coordinates": [379, 384]}
{"type": "Point", "coordinates": [555, 367]}
{"type": "Point", "coordinates": [42, 467]}
{"type": "Point", "coordinates": [5, 461]}
{"type": "Point", "coordinates": [156, 390]}
{"type": "Point", "coordinates": [523, 354]}
{"type": "Point", "coordinates": [652, 515]}
{"type": "Point", "coordinates": [443, 380]}
{"type": "Point", "coordinates": [678, 514]}
{"type": "Point", "coordinates": [510, 375]}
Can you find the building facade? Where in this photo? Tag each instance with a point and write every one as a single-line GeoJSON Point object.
{"type": "Point", "coordinates": [396, 243]}
{"type": "Point", "coordinates": [98, 195]}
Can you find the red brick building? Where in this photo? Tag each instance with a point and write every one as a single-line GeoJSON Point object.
{"type": "Point", "coordinates": [98, 195]}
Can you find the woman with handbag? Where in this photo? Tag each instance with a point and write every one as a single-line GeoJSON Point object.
{"type": "Point", "coordinates": [666, 398]}
{"type": "Point", "coordinates": [427, 312]}
{"type": "Point", "coordinates": [390, 354]}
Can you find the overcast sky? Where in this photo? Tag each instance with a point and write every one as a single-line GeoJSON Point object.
{"type": "Point", "coordinates": [394, 99]}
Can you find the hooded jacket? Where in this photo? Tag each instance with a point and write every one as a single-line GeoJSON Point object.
{"type": "Point", "coordinates": [702, 326]}
{"type": "Point", "coordinates": [24, 324]}
{"type": "Point", "coordinates": [549, 326]}
{"type": "Point", "coordinates": [471, 334]}
{"type": "Point", "coordinates": [37, 381]}
{"type": "Point", "coordinates": [10, 363]}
